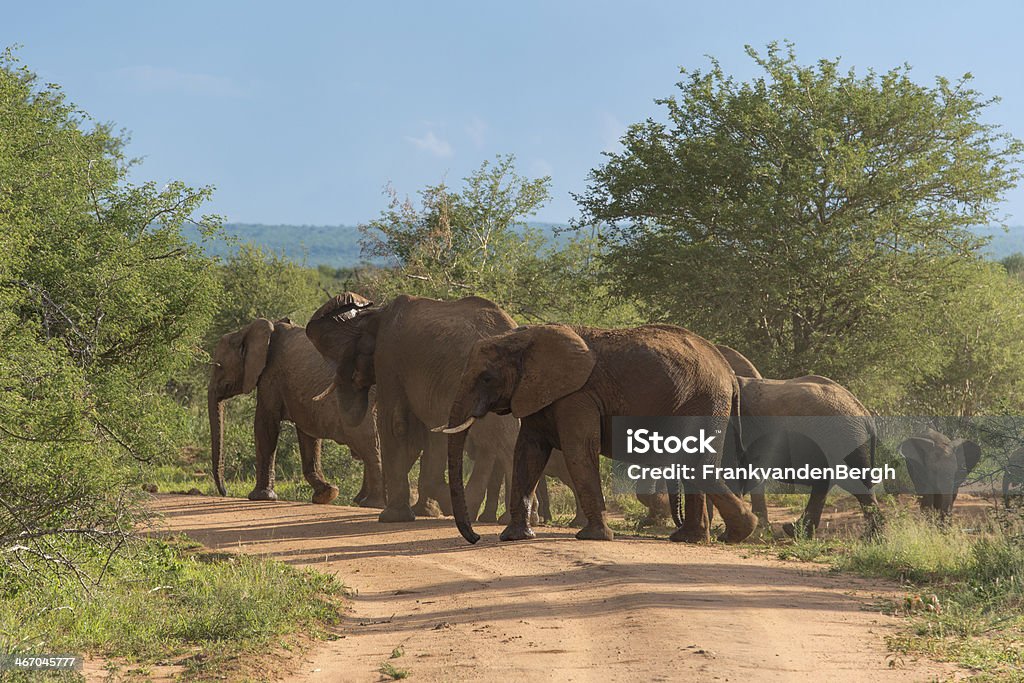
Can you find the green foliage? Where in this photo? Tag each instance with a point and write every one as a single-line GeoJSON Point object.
{"type": "Point", "coordinates": [259, 284]}
{"type": "Point", "coordinates": [102, 301]}
{"type": "Point", "coordinates": [1014, 264]}
{"type": "Point", "coordinates": [978, 335]}
{"type": "Point", "coordinates": [809, 217]}
{"type": "Point", "coordinates": [477, 241]}
{"type": "Point", "coordinates": [161, 600]}
{"type": "Point", "coordinates": [967, 607]}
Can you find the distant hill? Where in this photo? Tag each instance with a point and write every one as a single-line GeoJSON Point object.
{"type": "Point", "coordinates": [338, 245]}
{"type": "Point", "coordinates": [332, 245]}
{"type": "Point", "coordinates": [1003, 242]}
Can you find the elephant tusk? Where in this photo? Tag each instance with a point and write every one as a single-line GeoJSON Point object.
{"type": "Point", "coordinates": [455, 430]}
{"type": "Point", "coordinates": [326, 392]}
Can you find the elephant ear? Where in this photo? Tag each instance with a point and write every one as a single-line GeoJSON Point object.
{"type": "Point", "coordinates": [555, 362]}
{"type": "Point", "coordinates": [968, 454]}
{"type": "Point", "coordinates": [915, 451]}
{"type": "Point", "coordinates": [255, 346]}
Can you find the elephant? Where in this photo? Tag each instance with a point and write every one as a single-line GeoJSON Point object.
{"type": "Point", "coordinates": [938, 466]}
{"type": "Point", "coordinates": [739, 363]}
{"type": "Point", "coordinates": [1013, 476]}
{"type": "Point", "coordinates": [555, 468]}
{"type": "Point", "coordinates": [658, 503]}
{"type": "Point", "coordinates": [565, 384]}
{"type": "Point", "coordinates": [808, 420]}
{"type": "Point", "coordinates": [413, 350]}
{"type": "Point", "coordinates": [278, 361]}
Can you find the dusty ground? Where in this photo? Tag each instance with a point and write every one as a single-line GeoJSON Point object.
{"type": "Point", "coordinates": [560, 609]}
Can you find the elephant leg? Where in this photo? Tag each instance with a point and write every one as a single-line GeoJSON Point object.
{"type": "Point", "coordinates": [806, 525]}
{"type": "Point", "coordinates": [581, 447]}
{"type": "Point", "coordinates": [490, 510]}
{"type": "Point", "coordinates": [543, 501]}
{"type": "Point", "coordinates": [531, 454]}
{"type": "Point", "coordinates": [740, 522]}
{"type": "Point", "coordinates": [309, 449]}
{"type": "Point", "coordinates": [657, 505]}
{"type": "Point", "coordinates": [266, 429]}
{"type": "Point", "coordinates": [481, 475]}
{"type": "Point", "coordinates": [371, 494]}
{"type": "Point", "coordinates": [399, 448]}
{"type": "Point", "coordinates": [695, 528]}
{"type": "Point", "coordinates": [927, 502]}
{"type": "Point", "coordinates": [759, 504]}
{"type": "Point", "coordinates": [361, 493]}
{"type": "Point", "coordinates": [872, 514]}
{"type": "Point", "coordinates": [434, 497]}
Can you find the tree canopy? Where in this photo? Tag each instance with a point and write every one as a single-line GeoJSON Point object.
{"type": "Point", "coordinates": [101, 302]}
{"type": "Point", "coordinates": [812, 216]}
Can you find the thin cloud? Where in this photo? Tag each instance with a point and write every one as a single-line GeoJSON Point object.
{"type": "Point", "coordinates": [477, 131]}
{"type": "Point", "coordinates": [148, 78]}
{"type": "Point", "coordinates": [432, 144]}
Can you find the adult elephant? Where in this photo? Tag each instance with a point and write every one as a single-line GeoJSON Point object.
{"type": "Point", "coordinates": [413, 349]}
{"type": "Point", "coordinates": [565, 384]}
{"type": "Point", "coordinates": [938, 466]}
{"type": "Point", "coordinates": [277, 361]}
{"type": "Point", "coordinates": [809, 420]}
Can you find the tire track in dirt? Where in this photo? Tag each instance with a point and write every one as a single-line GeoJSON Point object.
{"type": "Point", "coordinates": [556, 608]}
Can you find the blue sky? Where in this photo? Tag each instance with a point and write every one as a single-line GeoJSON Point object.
{"type": "Point", "coordinates": [302, 112]}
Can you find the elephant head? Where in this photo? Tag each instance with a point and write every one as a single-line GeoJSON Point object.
{"type": "Point", "coordinates": [238, 362]}
{"type": "Point", "coordinates": [519, 372]}
{"type": "Point", "coordinates": [938, 466]}
{"type": "Point", "coordinates": [344, 331]}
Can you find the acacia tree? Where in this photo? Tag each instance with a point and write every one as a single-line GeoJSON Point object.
{"type": "Point", "coordinates": [812, 217]}
{"type": "Point", "coordinates": [474, 240]}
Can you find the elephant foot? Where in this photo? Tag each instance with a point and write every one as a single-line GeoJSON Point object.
{"type": "Point", "coordinates": [489, 516]}
{"type": "Point", "coordinates": [373, 502]}
{"type": "Point", "coordinates": [740, 530]}
{"type": "Point", "coordinates": [427, 507]}
{"type": "Point", "coordinates": [262, 494]}
{"type": "Point", "coordinates": [396, 514]}
{"type": "Point", "coordinates": [653, 520]}
{"type": "Point", "coordinates": [579, 521]}
{"type": "Point", "coordinates": [326, 495]}
{"type": "Point", "coordinates": [801, 529]}
{"type": "Point", "coordinates": [597, 532]}
{"type": "Point", "coordinates": [690, 535]}
{"type": "Point", "coordinates": [517, 532]}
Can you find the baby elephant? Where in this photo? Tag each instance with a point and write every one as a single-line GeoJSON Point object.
{"type": "Point", "coordinates": [938, 466]}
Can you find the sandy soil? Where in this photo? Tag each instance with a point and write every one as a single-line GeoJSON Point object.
{"type": "Point", "coordinates": [560, 609]}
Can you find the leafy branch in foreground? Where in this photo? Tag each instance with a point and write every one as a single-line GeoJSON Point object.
{"type": "Point", "coordinates": [101, 301]}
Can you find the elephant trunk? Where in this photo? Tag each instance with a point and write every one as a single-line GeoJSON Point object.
{"type": "Point", "coordinates": [456, 447]}
{"type": "Point", "coordinates": [215, 407]}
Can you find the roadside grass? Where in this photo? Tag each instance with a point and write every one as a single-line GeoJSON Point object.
{"type": "Point", "coordinates": [965, 586]}
{"type": "Point", "coordinates": [163, 601]}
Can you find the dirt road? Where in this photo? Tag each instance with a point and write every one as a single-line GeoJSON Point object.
{"type": "Point", "coordinates": [560, 609]}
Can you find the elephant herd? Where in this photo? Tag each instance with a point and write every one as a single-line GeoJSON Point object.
{"type": "Point", "coordinates": [434, 381]}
